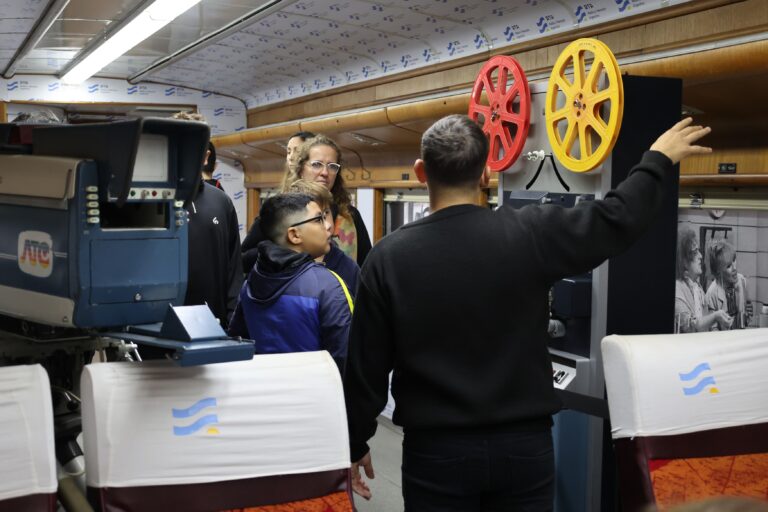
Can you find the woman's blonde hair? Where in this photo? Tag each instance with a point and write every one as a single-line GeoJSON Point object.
{"type": "Point", "coordinates": [339, 193]}
{"type": "Point", "coordinates": [316, 191]}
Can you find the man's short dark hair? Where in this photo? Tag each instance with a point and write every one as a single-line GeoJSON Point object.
{"type": "Point", "coordinates": [277, 211]}
{"type": "Point", "coordinates": [454, 150]}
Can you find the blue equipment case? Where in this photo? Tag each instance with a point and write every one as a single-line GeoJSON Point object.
{"type": "Point", "coordinates": [93, 230]}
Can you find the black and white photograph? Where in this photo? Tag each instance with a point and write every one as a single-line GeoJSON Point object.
{"type": "Point", "coordinates": [722, 270]}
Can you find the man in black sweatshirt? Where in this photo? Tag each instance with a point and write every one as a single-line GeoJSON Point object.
{"type": "Point", "coordinates": [215, 270]}
{"type": "Point", "coordinates": [474, 395]}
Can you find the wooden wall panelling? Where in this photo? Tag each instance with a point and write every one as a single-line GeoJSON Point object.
{"type": "Point", "coordinates": [230, 139]}
{"type": "Point", "coordinates": [747, 160]}
{"type": "Point", "coordinates": [3, 112]}
{"type": "Point", "coordinates": [731, 181]}
{"type": "Point", "coordinates": [332, 125]}
{"type": "Point", "coordinates": [254, 205]}
{"type": "Point", "coordinates": [263, 169]}
{"type": "Point", "coordinates": [277, 133]}
{"type": "Point", "coordinates": [386, 136]}
{"type": "Point", "coordinates": [378, 215]}
{"type": "Point", "coordinates": [415, 115]}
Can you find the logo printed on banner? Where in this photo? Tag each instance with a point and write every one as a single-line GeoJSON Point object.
{"type": "Point", "coordinates": [132, 90]}
{"type": "Point", "coordinates": [218, 111]}
{"type": "Point", "coordinates": [206, 94]}
{"type": "Point", "coordinates": [35, 253]}
{"type": "Point", "coordinates": [202, 421]}
{"type": "Point", "coordinates": [170, 91]}
{"type": "Point", "coordinates": [53, 86]}
{"type": "Point", "coordinates": [12, 86]}
{"type": "Point", "coordinates": [622, 4]}
{"type": "Point", "coordinates": [699, 385]}
{"type": "Point", "coordinates": [589, 12]}
{"type": "Point", "coordinates": [479, 41]}
{"type": "Point", "coordinates": [93, 88]}
{"type": "Point", "coordinates": [581, 13]}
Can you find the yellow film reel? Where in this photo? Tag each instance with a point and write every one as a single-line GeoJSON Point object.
{"type": "Point", "coordinates": [583, 115]}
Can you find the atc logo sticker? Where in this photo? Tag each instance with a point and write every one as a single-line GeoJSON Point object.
{"type": "Point", "coordinates": [206, 421]}
{"type": "Point", "coordinates": [35, 253]}
{"type": "Point", "coordinates": [695, 385]}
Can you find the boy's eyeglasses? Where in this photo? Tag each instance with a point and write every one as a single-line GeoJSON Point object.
{"type": "Point", "coordinates": [317, 166]}
{"type": "Point", "coordinates": [317, 218]}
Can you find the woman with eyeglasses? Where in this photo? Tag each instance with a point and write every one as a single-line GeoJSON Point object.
{"type": "Point", "coordinates": [690, 301]}
{"type": "Point", "coordinates": [319, 160]}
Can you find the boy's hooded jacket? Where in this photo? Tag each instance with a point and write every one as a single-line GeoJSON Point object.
{"type": "Point", "coordinates": [289, 303]}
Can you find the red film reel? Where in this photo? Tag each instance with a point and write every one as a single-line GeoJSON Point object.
{"type": "Point", "coordinates": [502, 108]}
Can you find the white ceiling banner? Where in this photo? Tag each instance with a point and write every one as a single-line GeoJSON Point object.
{"type": "Point", "coordinates": [312, 46]}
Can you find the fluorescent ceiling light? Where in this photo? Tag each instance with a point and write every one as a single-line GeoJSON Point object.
{"type": "Point", "coordinates": [149, 21]}
{"type": "Point", "coordinates": [49, 16]}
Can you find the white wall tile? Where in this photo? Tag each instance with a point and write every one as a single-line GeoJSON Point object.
{"type": "Point", "coordinates": [746, 263]}
{"type": "Point", "coordinates": [762, 239]}
{"type": "Point", "coordinates": [746, 239]}
{"type": "Point", "coordinates": [762, 290]}
{"type": "Point", "coordinates": [762, 218]}
{"type": "Point", "coordinates": [762, 264]}
{"type": "Point", "coordinates": [747, 218]}
{"type": "Point", "coordinates": [751, 289]}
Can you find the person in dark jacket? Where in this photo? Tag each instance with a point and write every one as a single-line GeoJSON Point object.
{"type": "Point", "coordinates": [290, 303]}
{"type": "Point", "coordinates": [474, 396]}
{"type": "Point", "coordinates": [214, 277]}
{"type": "Point", "coordinates": [335, 259]}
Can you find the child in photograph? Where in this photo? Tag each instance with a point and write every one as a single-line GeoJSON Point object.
{"type": "Point", "coordinates": [727, 292]}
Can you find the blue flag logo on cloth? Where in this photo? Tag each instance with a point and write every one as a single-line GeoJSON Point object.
{"type": "Point", "coordinates": [207, 420]}
{"type": "Point", "coordinates": [699, 384]}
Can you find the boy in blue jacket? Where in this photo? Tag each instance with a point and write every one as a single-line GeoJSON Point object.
{"type": "Point", "coordinates": [290, 303]}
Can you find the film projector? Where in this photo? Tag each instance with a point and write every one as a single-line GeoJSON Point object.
{"type": "Point", "coordinates": [559, 143]}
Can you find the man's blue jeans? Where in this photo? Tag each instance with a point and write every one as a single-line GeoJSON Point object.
{"type": "Point", "coordinates": [463, 471]}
